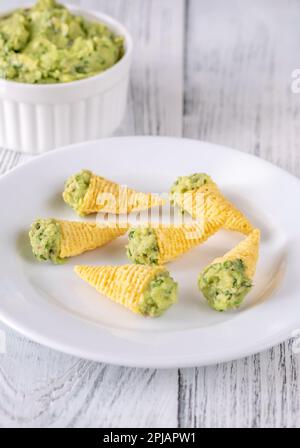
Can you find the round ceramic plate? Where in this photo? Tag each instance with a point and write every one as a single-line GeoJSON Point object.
{"type": "Point", "coordinates": [51, 305]}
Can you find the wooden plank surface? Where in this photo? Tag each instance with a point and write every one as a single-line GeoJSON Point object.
{"type": "Point", "coordinates": [237, 58]}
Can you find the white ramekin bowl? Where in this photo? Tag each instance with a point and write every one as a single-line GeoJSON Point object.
{"type": "Point", "coordinates": [35, 118]}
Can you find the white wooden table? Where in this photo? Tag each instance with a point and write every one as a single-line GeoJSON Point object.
{"type": "Point", "coordinates": [207, 69]}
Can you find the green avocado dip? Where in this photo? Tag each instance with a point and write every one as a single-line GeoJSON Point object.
{"type": "Point", "coordinates": [142, 247]}
{"type": "Point", "coordinates": [161, 293]}
{"type": "Point", "coordinates": [225, 285]}
{"type": "Point", "coordinates": [45, 239]}
{"type": "Point", "coordinates": [48, 44]}
{"type": "Point", "coordinates": [75, 189]}
{"type": "Point", "coordinates": [189, 183]}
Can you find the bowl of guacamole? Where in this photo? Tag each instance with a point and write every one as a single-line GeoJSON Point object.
{"type": "Point", "coordinates": [47, 43]}
{"type": "Point", "coordinates": [64, 72]}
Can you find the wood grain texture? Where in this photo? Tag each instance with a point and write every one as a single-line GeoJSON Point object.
{"type": "Point", "coordinates": [237, 58]}
{"type": "Point", "coordinates": [43, 388]}
{"type": "Point", "coordinates": [157, 28]}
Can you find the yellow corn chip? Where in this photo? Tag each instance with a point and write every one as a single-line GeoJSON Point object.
{"type": "Point", "coordinates": [247, 251]}
{"type": "Point", "coordinates": [78, 237]}
{"type": "Point", "coordinates": [123, 284]}
{"type": "Point", "coordinates": [174, 241]}
{"type": "Point", "coordinates": [207, 201]}
{"type": "Point", "coordinates": [109, 197]}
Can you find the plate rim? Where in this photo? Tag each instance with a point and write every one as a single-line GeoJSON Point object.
{"type": "Point", "coordinates": [54, 152]}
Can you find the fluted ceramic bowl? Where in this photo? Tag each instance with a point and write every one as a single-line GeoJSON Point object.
{"type": "Point", "coordinates": [35, 118]}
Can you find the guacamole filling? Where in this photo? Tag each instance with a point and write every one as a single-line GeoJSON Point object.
{"type": "Point", "coordinates": [225, 285]}
{"type": "Point", "coordinates": [49, 44]}
{"type": "Point", "coordinates": [45, 239]}
{"type": "Point", "coordinates": [142, 247]}
{"type": "Point", "coordinates": [75, 189]}
{"type": "Point", "coordinates": [160, 294]}
{"type": "Point", "coordinates": [185, 184]}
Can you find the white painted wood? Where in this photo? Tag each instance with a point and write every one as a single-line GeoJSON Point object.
{"type": "Point", "coordinates": [238, 59]}
{"type": "Point", "coordinates": [42, 388]}
{"type": "Point", "coordinates": [155, 103]}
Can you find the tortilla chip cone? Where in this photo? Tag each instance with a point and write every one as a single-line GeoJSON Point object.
{"type": "Point", "coordinates": [207, 201]}
{"type": "Point", "coordinates": [124, 285]}
{"type": "Point", "coordinates": [79, 237]}
{"type": "Point", "coordinates": [175, 241]}
{"type": "Point", "coordinates": [247, 251]}
{"type": "Point", "coordinates": [227, 280]}
{"type": "Point", "coordinates": [106, 196]}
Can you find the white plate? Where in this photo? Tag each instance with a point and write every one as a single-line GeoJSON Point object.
{"type": "Point", "coordinates": [52, 306]}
